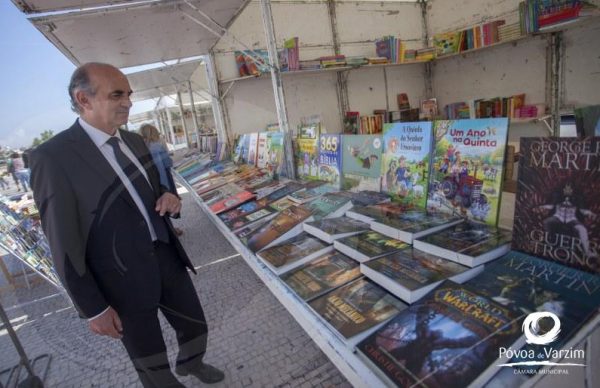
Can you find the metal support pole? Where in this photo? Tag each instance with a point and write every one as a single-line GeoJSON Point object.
{"type": "Point", "coordinates": [171, 130]}
{"type": "Point", "coordinates": [183, 123]}
{"type": "Point", "coordinates": [267, 17]}
{"type": "Point", "coordinates": [342, 77]}
{"type": "Point", "coordinates": [428, 72]}
{"type": "Point", "coordinates": [556, 66]}
{"type": "Point", "coordinates": [194, 116]}
{"type": "Point", "coordinates": [217, 102]}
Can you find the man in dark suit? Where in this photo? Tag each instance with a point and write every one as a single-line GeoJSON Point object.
{"type": "Point", "coordinates": [106, 218]}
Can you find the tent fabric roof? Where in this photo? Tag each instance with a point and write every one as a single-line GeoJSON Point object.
{"type": "Point", "coordinates": [138, 34]}
{"type": "Point", "coordinates": [164, 81]}
{"type": "Point", "coordinates": [40, 6]}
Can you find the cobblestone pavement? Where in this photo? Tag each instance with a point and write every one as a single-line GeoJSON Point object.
{"type": "Point", "coordinates": [252, 337]}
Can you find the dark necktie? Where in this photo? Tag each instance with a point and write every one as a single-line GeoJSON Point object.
{"type": "Point", "coordinates": [143, 188]}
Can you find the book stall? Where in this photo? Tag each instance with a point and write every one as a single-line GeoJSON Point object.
{"type": "Point", "coordinates": [388, 253]}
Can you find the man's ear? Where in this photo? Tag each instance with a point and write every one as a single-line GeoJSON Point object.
{"type": "Point", "coordinates": [82, 99]}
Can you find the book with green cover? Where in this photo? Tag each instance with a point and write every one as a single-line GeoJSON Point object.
{"type": "Point", "coordinates": [307, 158]}
{"type": "Point", "coordinates": [361, 162]}
{"type": "Point", "coordinates": [312, 191]}
{"type": "Point", "coordinates": [356, 309]}
{"type": "Point", "coordinates": [330, 229]}
{"type": "Point", "coordinates": [368, 245]}
{"type": "Point", "coordinates": [330, 205]}
{"type": "Point", "coordinates": [409, 273]}
{"type": "Point", "coordinates": [413, 224]}
{"type": "Point", "coordinates": [468, 243]}
{"type": "Point", "coordinates": [293, 252]}
{"type": "Point", "coordinates": [321, 275]}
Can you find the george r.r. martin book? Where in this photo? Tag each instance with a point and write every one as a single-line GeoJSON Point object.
{"type": "Point", "coordinates": [557, 204]}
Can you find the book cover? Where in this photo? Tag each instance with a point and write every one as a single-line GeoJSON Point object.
{"type": "Point", "coordinates": [410, 273]}
{"type": "Point", "coordinates": [231, 202]}
{"type": "Point", "coordinates": [241, 210]}
{"type": "Point", "coordinates": [328, 229]}
{"type": "Point", "coordinates": [412, 224]}
{"type": "Point", "coordinates": [356, 307]}
{"type": "Point", "coordinates": [243, 233]}
{"type": "Point", "coordinates": [429, 108]}
{"type": "Point", "coordinates": [328, 205]}
{"type": "Point", "coordinates": [307, 158]}
{"type": "Point", "coordinates": [403, 103]}
{"type": "Point", "coordinates": [466, 174]}
{"type": "Point", "coordinates": [282, 204]}
{"type": "Point", "coordinates": [277, 227]}
{"type": "Point", "coordinates": [292, 250]}
{"type": "Point", "coordinates": [366, 197]}
{"type": "Point", "coordinates": [405, 164]}
{"type": "Point", "coordinates": [361, 162]}
{"type": "Point", "coordinates": [274, 151]}
{"type": "Point", "coordinates": [530, 284]}
{"type": "Point", "coordinates": [252, 148]}
{"type": "Point", "coordinates": [378, 211]}
{"type": "Point", "coordinates": [368, 245]}
{"type": "Point", "coordinates": [261, 151]}
{"type": "Point", "coordinates": [451, 336]}
{"type": "Point", "coordinates": [240, 62]}
{"type": "Point", "coordinates": [351, 123]}
{"type": "Point", "coordinates": [468, 243]}
{"type": "Point", "coordinates": [310, 192]}
{"type": "Point", "coordinates": [330, 159]}
{"type": "Point", "coordinates": [321, 275]}
{"type": "Point", "coordinates": [557, 204]}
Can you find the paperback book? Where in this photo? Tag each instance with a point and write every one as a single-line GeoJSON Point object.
{"type": "Point", "coordinates": [557, 203]}
{"type": "Point", "coordinates": [330, 205]}
{"type": "Point", "coordinates": [330, 159]}
{"type": "Point", "coordinates": [410, 273]}
{"type": "Point", "coordinates": [252, 148]}
{"type": "Point", "coordinates": [330, 229]}
{"type": "Point", "coordinates": [405, 165]}
{"type": "Point", "coordinates": [231, 202]}
{"type": "Point", "coordinates": [293, 252]}
{"type": "Point", "coordinates": [466, 175]}
{"type": "Point", "coordinates": [284, 225]}
{"type": "Point", "coordinates": [311, 191]}
{"type": "Point", "coordinates": [468, 243]}
{"type": "Point", "coordinates": [357, 309]}
{"type": "Point", "coordinates": [412, 224]}
{"type": "Point", "coordinates": [451, 336]}
{"type": "Point", "coordinates": [261, 151]}
{"type": "Point", "coordinates": [530, 284]}
{"type": "Point", "coordinates": [379, 211]}
{"type": "Point", "coordinates": [321, 275]}
{"type": "Point", "coordinates": [366, 197]}
{"type": "Point", "coordinates": [368, 246]}
{"type": "Point", "coordinates": [361, 162]}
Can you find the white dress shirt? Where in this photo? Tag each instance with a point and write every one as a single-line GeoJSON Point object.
{"type": "Point", "coordinates": [100, 138]}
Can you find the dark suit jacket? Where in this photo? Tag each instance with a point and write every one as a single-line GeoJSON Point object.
{"type": "Point", "coordinates": [99, 240]}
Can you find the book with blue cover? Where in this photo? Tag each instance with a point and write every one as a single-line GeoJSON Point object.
{"type": "Point", "coordinates": [330, 159]}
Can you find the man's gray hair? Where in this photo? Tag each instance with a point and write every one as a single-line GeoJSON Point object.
{"type": "Point", "coordinates": [80, 80]}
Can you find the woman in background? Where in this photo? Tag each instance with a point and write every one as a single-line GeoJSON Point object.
{"type": "Point", "coordinates": [21, 172]}
{"type": "Point", "coordinates": [161, 159]}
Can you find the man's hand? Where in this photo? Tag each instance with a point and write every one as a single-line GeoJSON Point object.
{"type": "Point", "coordinates": [108, 323]}
{"type": "Point", "coordinates": [168, 203]}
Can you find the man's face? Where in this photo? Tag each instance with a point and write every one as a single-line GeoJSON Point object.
{"type": "Point", "coordinates": [109, 107]}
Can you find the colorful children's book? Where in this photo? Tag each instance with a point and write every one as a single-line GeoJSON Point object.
{"type": "Point", "coordinates": [307, 158]}
{"type": "Point", "coordinates": [321, 275]}
{"type": "Point", "coordinates": [330, 159]}
{"type": "Point", "coordinates": [367, 246]}
{"type": "Point", "coordinates": [284, 225]}
{"type": "Point", "coordinates": [410, 273]}
{"type": "Point", "coordinates": [293, 252]}
{"type": "Point", "coordinates": [466, 175]}
{"type": "Point", "coordinates": [274, 153]}
{"type": "Point", "coordinates": [361, 162]}
{"type": "Point", "coordinates": [357, 309]}
{"type": "Point", "coordinates": [330, 229]}
{"type": "Point", "coordinates": [450, 337]}
{"type": "Point", "coordinates": [557, 203]}
{"type": "Point", "coordinates": [261, 152]}
{"type": "Point", "coordinates": [405, 165]}
{"type": "Point", "coordinates": [468, 243]}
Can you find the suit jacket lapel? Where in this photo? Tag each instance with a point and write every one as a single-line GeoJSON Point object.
{"type": "Point", "coordinates": [91, 155]}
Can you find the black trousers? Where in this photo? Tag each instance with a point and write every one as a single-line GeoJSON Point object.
{"type": "Point", "coordinates": [142, 334]}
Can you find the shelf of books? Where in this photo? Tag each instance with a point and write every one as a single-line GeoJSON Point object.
{"type": "Point", "coordinates": [388, 254]}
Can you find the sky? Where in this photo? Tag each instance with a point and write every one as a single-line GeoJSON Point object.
{"type": "Point", "coordinates": [34, 76]}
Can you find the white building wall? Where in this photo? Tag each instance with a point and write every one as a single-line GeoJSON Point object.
{"type": "Point", "coordinates": [582, 65]}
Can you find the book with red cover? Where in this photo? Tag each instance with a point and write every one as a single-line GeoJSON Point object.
{"type": "Point", "coordinates": [231, 202]}
{"type": "Point", "coordinates": [286, 224]}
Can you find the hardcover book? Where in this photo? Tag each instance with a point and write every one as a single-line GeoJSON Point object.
{"type": "Point", "coordinates": [450, 337]}
{"type": "Point", "coordinates": [284, 225]}
{"type": "Point", "coordinates": [330, 205]}
{"type": "Point", "coordinates": [307, 158]}
{"type": "Point", "coordinates": [321, 275]}
{"type": "Point", "coordinates": [293, 252]}
{"type": "Point", "coordinates": [468, 243]}
{"type": "Point", "coordinates": [531, 284]}
{"type": "Point", "coordinates": [357, 309]}
{"type": "Point", "coordinates": [330, 229]}
{"type": "Point", "coordinates": [368, 246]}
{"type": "Point", "coordinates": [378, 211]}
{"type": "Point", "coordinates": [274, 153]}
{"type": "Point", "coordinates": [466, 175]}
{"type": "Point", "coordinates": [409, 273]}
{"type": "Point", "coordinates": [405, 165]}
{"type": "Point", "coordinates": [330, 159]}
{"type": "Point", "coordinates": [557, 204]}
{"type": "Point", "coordinates": [361, 162]}
{"type": "Point", "coordinates": [413, 224]}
